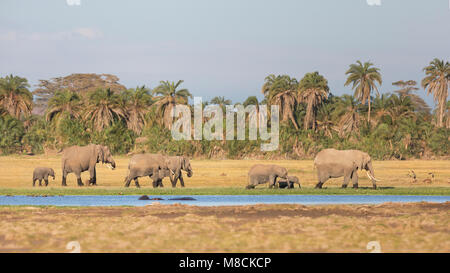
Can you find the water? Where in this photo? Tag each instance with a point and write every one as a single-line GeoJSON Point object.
{"type": "Point", "coordinates": [215, 200]}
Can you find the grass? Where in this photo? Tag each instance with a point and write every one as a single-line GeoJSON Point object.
{"type": "Point", "coordinates": [223, 177]}
{"type": "Point", "coordinates": [224, 191]}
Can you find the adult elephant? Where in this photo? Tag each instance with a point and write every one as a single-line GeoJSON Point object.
{"type": "Point", "coordinates": [78, 159]}
{"type": "Point", "coordinates": [332, 163]}
{"type": "Point", "coordinates": [260, 174]}
{"type": "Point", "coordinates": [152, 165]}
{"type": "Point", "coordinates": [175, 165]}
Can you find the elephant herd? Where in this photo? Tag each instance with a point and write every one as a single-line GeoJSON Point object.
{"type": "Point", "coordinates": [330, 163]}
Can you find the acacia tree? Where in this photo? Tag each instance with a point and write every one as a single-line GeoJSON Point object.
{"type": "Point", "coordinates": [80, 83]}
{"type": "Point", "coordinates": [169, 96]}
{"type": "Point", "coordinates": [363, 78]}
{"type": "Point", "coordinates": [407, 89]}
{"type": "Point", "coordinates": [436, 82]}
{"type": "Point", "coordinates": [15, 98]}
{"type": "Point", "coordinates": [313, 89]}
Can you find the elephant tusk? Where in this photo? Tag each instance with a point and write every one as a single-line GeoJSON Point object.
{"type": "Point", "coordinates": [109, 166]}
{"type": "Point", "coordinates": [371, 177]}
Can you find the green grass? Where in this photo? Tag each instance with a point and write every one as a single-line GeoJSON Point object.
{"type": "Point", "coordinates": [226, 191]}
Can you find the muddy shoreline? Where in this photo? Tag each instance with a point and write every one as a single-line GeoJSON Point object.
{"type": "Point", "coordinates": [407, 227]}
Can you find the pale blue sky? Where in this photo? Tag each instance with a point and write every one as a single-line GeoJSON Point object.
{"type": "Point", "coordinates": [222, 47]}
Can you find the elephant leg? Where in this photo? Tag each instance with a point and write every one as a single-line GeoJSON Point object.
{"type": "Point", "coordinates": [93, 180]}
{"type": "Point", "coordinates": [127, 181]}
{"type": "Point", "coordinates": [177, 176]}
{"type": "Point", "coordinates": [355, 179]}
{"type": "Point", "coordinates": [40, 181]}
{"type": "Point", "coordinates": [272, 181]}
{"type": "Point", "coordinates": [155, 183]}
{"type": "Point", "coordinates": [374, 184]}
{"type": "Point", "coordinates": [34, 182]}
{"type": "Point", "coordinates": [136, 182]}
{"type": "Point", "coordinates": [346, 180]}
{"type": "Point", "coordinates": [46, 182]}
{"type": "Point", "coordinates": [64, 176]}
{"type": "Point", "coordinates": [322, 177]}
{"type": "Point", "coordinates": [79, 182]}
{"type": "Point", "coordinates": [159, 183]}
{"type": "Point", "coordinates": [181, 181]}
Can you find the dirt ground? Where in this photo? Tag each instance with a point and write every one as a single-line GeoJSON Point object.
{"type": "Point", "coordinates": [413, 227]}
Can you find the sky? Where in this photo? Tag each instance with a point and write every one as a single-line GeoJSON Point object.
{"type": "Point", "coordinates": [222, 47]}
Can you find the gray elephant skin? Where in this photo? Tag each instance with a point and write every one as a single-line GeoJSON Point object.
{"type": "Point", "coordinates": [332, 163]}
{"type": "Point", "coordinates": [175, 165]}
{"type": "Point", "coordinates": [78, 159]}
{"type": "Point", "coordinates": [151, 165]}
{"type": "Point", "coordinates": [289, 182]}
{"type": "Point", "coordinates": [260, 174]}
{"type": "Point", "coordinates": [42, 173]}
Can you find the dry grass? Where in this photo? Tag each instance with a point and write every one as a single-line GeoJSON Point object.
{"type": "Point", "coordinates": [16, 171]}
{"type": "Point", "coordinates": [417, 227]}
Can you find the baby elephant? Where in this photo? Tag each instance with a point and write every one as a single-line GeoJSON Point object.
{"type": "Point", "coordinates": [260, 174]}
{"type": "Point", "coordinates": [289, 182]}
{"type": "Point", "coordinates": [42, 173]}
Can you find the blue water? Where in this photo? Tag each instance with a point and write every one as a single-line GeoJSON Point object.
{"type": "Point", "coordinates": [214, 200]}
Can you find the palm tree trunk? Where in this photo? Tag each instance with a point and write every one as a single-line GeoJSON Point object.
{"type": "Point", "coordinates": [368, 116]}
{"type": "Point", "coordinates": [441, 114]}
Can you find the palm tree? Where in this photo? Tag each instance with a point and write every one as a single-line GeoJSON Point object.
{"type": "Point", "coordinates": [313, 90]}
{"type": "Point", "coordinates": [364, 78]}
{"type": "Point", "coordinates": [104, 107]}
{"type": "Point", "coordinates": [137, 104]}
{"type": "Point", "coordinates": [325, 121]}
{"type": "Point", "coordinates": [401, 108]}
{"type": "Point", "coordinates": [347, 111]}
{"type": "Point", "coordinates": [252, 100]}
{"type": "Point", "coordinates": [169, 97]}
{"type": "Point", "coordinates": [282, 91]}
{"type": "Point", "coordinates": [15, 97]}
{"type": "Point", "coordinates": [11, 133]}
{"type": "Point", "coordinates": [221, 101]}
{"type": "Point", "coordinates": [447, 116]}
{"type": "Point", "coordinates": [381, 107]}
{"type": "Point", "coordinates": [436, 82]}
{"type": "Point", "coordinates": [406, 90]}
{"type": "Point", "coordinates": [63, 102]}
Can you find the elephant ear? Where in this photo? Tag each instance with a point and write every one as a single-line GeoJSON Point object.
{"type": "Point", "coordinates": [367, 159]}
{"type": "Point", "coordinates": [100, 153]}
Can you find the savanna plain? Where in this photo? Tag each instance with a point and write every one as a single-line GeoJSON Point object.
{"type": "Point", "coordinates": [409, 227]}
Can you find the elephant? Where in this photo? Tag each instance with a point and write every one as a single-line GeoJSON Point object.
{"type": "Point", "coordinates": [260, 174]}
{"type": "Point", "coordinates": [42, 173]}
{"type": "Point", "coordinates": [175, 165]}
{"type": "Point", "coordinates": [78, 159]}
{"type": "Point", "coordinates": [289, 182]}
{"type": "Point", "coordinates": [154, 166]}
{"type": "Point", "coordinates": [332, 163]}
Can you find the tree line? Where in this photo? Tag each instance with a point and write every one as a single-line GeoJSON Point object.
{"type": "Point", "coordinates": [90, 108]}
